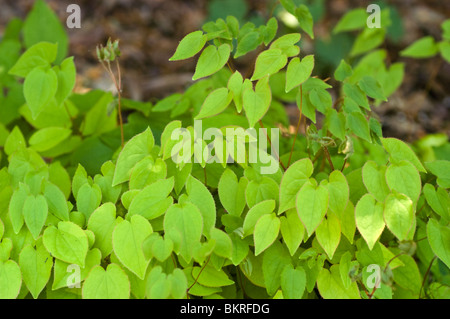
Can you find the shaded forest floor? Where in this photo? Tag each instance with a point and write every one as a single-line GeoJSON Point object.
{"type": "Point", "coordinates": [149, 31]}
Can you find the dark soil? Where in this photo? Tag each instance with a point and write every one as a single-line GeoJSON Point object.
{"type": "Point", "coordinates": [149, 31]}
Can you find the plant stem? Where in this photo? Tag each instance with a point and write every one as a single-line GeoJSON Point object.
{"type": "Point", "coordinates": [198, 276]}
{"type": "Point", "coordinates": [425, 277]}
{"type": "Point", "coordinates": [343, 165]}
{"type": "Point", "coordinates": [327, 154]}
{"type": "Point", "coordinates": [298, 125]}
{"type": "Point", "coordinates": [119, 98]}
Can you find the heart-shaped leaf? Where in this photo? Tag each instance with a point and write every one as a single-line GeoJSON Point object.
{"type": "Point", "coordinates": [127, 240]}
{"type": "Point", "coordinates": [10, 279]}
{"type": "Point", "coordinates": [68, 242]}
{"type": "Point", "coordinates": [369, 219]}
{"type": "Point", "coordinates": [299, 71]}
{"type": "Point", "coordinates": [257, 102]}
{"type": "Point", "coordinates": [399, 215]}
{"type": "Point", "coordinates": [312, 205]}
{"type": "Point", "coordinates": [111, 283]}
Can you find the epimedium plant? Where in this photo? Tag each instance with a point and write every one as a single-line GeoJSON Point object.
{"type": "Point", "coordinates": [347, 213]}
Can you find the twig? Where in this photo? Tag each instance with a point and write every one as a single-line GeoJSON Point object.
{"type": "Point", "coordinates": [198, 276]}
{"type": "Point", "coordinates": [425, 277]}
{"type": "Point", "coordinates": [327, 155]}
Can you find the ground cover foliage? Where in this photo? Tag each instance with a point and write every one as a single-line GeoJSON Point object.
{"type": "Point", "coordinates": [93, 205]}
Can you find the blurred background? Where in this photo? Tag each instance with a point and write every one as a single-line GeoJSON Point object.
{"type": "Point", "coordinates": [149, 31]}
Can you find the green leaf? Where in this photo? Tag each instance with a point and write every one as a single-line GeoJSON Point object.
{"type": "Point", "coordinates": [127, 240]}
{"type": "Point", "coordinates": [399, 215]}
{"type": "Point", "coordinates": [56, 201]}
{"type": "Point", "coordinates": [374, 178]}
{"type": "Point", "coordinates": [359, 125]}
{"type": "Point", "coordinates": [183, 224]}
{"type": "Point", "coordinates": [235, 85]}
{"type": "Point", "coordinates": [369, 219]}
{"type": "Point", "coordinates": [399, 150]}
{"type": "Point", "coordinates": [321, 100]}
{"type": "Point", "coordinates": [232, 192]}
{"type": "Point", "coordinates": [157, 284]}
{"type": "Point", "coordinates": [444, 48]}
{"type": "Point", "coordinates": [446, 29]}
{"type": "Point", "coordinates": [289, 5]}
{"type": "Point", "coordinates": [286, 44]}
{"type": "Point", "coordinates": [292, 230]}
{"type": "Point", "coordinates": [356, 94]}
{"type": "Point", "coordinates": [331, 286]}
{"type": "Point", "coordinates": [88, 199]}
{"type": "Point", "coordinates": [275, 259]}
{"type": "Point", "coordinates": [18, 199]}
{"type": "Point", "coordinates": [66, 74]}
{"type": "Point", "coordinates": [153, 200]}
{"type": "Point", "coordinates": [239, 250]}
{"type": "Point", "coordinates": [39, 88]}
{"type": "Point", "coordinates": [338, 191]}
{"type": "Point", "coordinates": [298, 72]}
{"type": "Point", "coordinates": [345, 266]}
{"type": "Point", "coordinates": [439, 239]}
{"type": "Point", "coordinates": [269, 62]}
{"type": "Point", "coordinates": [336, 123]}
{"type": "Point", "coordinates": [39, 55]}
{"type": "Point", "coordinates": [438, 200]}
{"type": "Point", "coordinates": [233, 25]}
{"type": "Point", "coordinates": [293, 282]}
{"type": "Point", "coordinates": [211, 277]}
{"type": "Point", "coordinates": [202, 198]}
{"type": "Point", "coordinates": [36, 267]}
{"type": "Point", "coordinates": [47, 138]}
{"type": "Point", "coordinates": [110, 284]}
{"type": "Point", "coordinates": [270, 31]}
{"type": "Point", "coordinates": [189, 46]}
{"type": "Point", "coordinates": [248, 43]}
{"type": "Point", "coordinates": [136, 149]}
{"type": "Point", "coordinates": [408, 276]}
{"type": "Point", "coordinates": [266, 232]}
{"type": "Point", "coordinates": [65, 275]}
{"type": "Point", "coordinates": [368, 40]}
{"type": "Point", "coordinates": [423, 48]}
{"type": "Point", "coordinates": [211, 60]}
{"type": "Point", "coordinates": [256, 103]}
{"type": "Point", "coordinates": [79, 179]}
{"type": "Point", "coordinates": [305, 19]}
{"type": "Point", "coordinates": [372, 88]}
{"type": "Point", "coordinates": [102, 223]}
{"type": "Point", "coordinates": [312, 205]}
{"type": "Point", "coordinates": [35, 210]}
{"type": "Point", "coordinates": [441, 169]}
{"type": "Point", "coordinates": [68, 243]}
{"type": "Point", "coordinates": [110, 193]}
{"type": "Point", "coordinates": [343, 71]}
{"type": "Point", "coordinates": [6, 246]}
{"type": "Point", "coordinates": [162, 248]}
{"type": "Point", "coordinates": [15, 141]}
{"type": "Point", "coordinates": [353, 20]}
{"type": "Point", "coordinates": [215, 103]}
{"type": "Point", "coordinates": [404, 178]}
{"type": "Point", "coordinates": [42, 24]}
{"type": "Point", "coordinates": [328, 234]}
{"type": "Point", "coordinates": [293, 179]}
{"type": "Point", "coordinates": [255, 213]}
{"type": "Point", "coordinates": [10, 279]}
